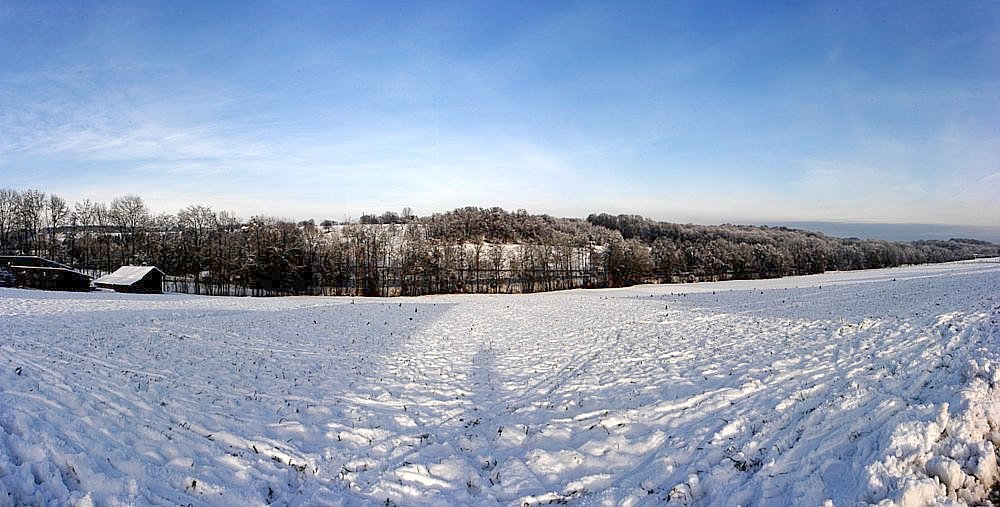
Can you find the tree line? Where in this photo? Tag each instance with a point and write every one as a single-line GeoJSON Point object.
{"type": "Point", "coordinates": [468, 249]}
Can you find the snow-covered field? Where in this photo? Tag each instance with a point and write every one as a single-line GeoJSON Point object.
{"type": "Point", "coordinates": [851, 387]}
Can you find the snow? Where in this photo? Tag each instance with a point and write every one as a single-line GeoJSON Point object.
{"type": "Point", "coordinates": [859, 387]}
{"type": "Point", "coordinates": [125, 275]}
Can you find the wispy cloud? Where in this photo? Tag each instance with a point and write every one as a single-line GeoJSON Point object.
{"type": "Point", "coordinates": [736, 114]}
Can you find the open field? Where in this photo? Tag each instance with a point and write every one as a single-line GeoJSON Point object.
{"type": "Point", "coordinates": [852, 387]}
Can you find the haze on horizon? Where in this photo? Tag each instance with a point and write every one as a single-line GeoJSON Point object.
{"type": "Point", "coordinates": [703, 112]}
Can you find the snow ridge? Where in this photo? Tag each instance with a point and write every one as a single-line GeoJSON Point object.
{"type": "Point", "coordinates": [951, 459]}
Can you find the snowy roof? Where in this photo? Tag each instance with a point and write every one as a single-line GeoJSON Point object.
{"type": "Point", "coordinates": [49, 269]}
{"type": "Point", "coordinates": [126, 275]}
{"type": "Point", "coordinates": [30, 261]}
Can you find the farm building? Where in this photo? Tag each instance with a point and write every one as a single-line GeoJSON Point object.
{"type": "Point", "coordinates": [6, 261]}
{"type": "Point", "coordinates": [38, 273]}
{"type": "Point", "coordinates": [49, 278]}
{"type": "Point", "coordinates": [142, 279]}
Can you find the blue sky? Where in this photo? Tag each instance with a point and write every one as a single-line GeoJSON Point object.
{"type": "Point", "coordinates": [682, 111]}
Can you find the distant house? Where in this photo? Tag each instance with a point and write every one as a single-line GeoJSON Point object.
{"type": "Point", "coordinates": [49, 278]}
{"type": "Point", "coordinates": [142, 279]}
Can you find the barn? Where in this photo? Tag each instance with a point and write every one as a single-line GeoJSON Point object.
{"type": "Point", "coordinates": [38, 273]}
{"type": "Point", "coordinates": [141, 279]}
{"type": "Point", "coordinates": [49, 278]}
{"type": "Point", "coordinates": [6, 261]}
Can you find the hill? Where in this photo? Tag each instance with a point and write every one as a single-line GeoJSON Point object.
{"type": "Point", "coordinates": [468, 249]}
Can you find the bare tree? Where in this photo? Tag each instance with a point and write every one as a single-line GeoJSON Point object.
{"type": "Point", "coordinates": [30, 207]}
{"type": "Point", "coordinates": [102, 222]}
{"type": "Point", "coordinates": [56, 213]}
{"type": "Point", "coordinates": [496, 259]}
{"type": "Point", "coordinates": [130, 216]}
{"type": "Point", "coordinates": [8, 218]}
{"type": "Point", "coordinates": [196, 223]}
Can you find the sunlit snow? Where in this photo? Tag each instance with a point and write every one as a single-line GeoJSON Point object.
{"type": "Point", "coordinates": [850, 387]}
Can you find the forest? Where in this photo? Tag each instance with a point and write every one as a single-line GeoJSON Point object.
{"type": "Point", "coordinates": [471, 249]}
